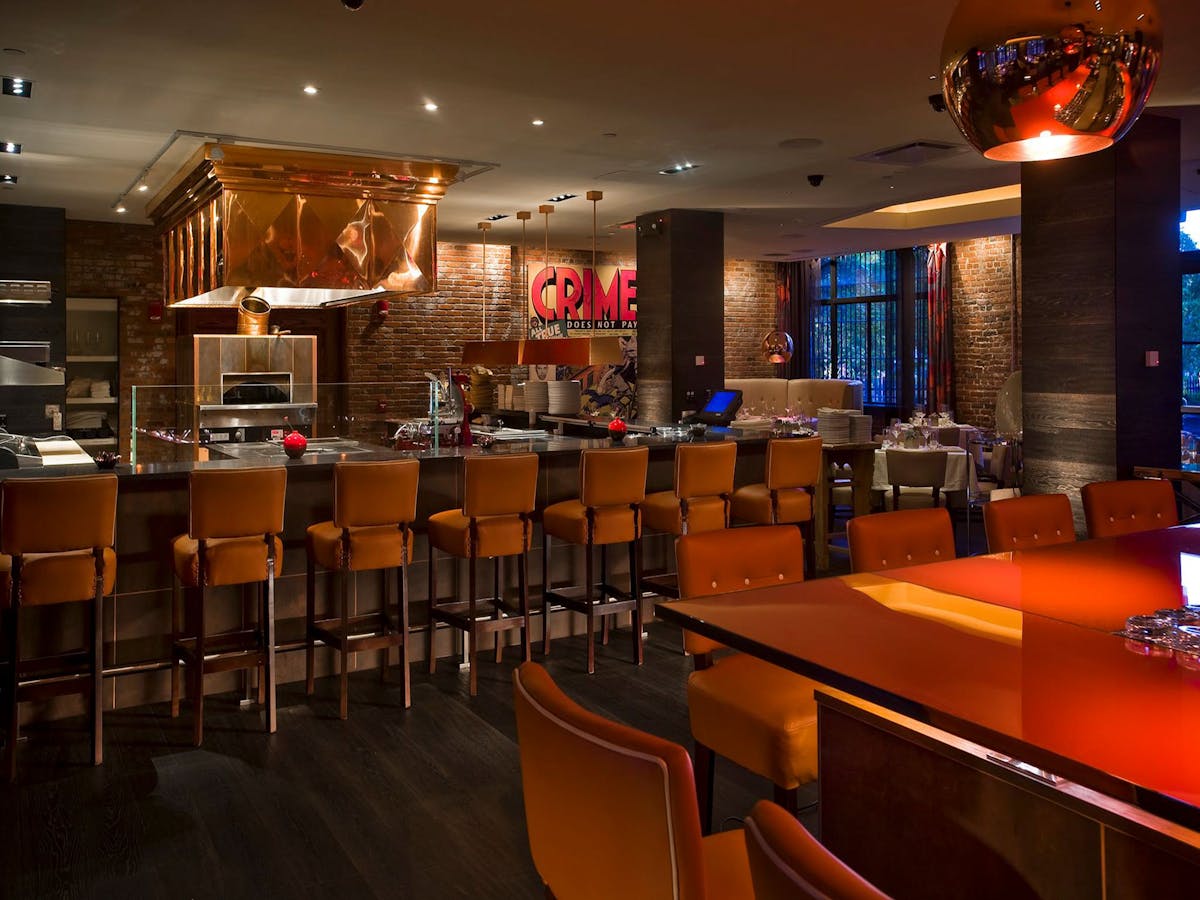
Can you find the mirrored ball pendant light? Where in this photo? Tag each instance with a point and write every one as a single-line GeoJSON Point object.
{"type": "Point", "coordinates": [1028, 80]}
{"type": "Point", "coordinates": [777, 347]}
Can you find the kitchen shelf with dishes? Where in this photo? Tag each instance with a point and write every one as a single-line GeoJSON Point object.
{"type": "Point", "coordinates": [93, 368]}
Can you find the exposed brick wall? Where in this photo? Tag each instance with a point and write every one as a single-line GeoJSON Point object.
{"type": "Point", "coordinates": [987, 327]}
{"type": "Point", "coordinates": [749, 315]}
{"type": "Point", "coordinates": [106, 259]}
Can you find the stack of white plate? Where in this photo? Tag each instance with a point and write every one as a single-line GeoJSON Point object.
{"type": "Point", "coordinates": [860, 429]}
{"type": "Point", "coordinates": [564, 397]}
{"type": "Point", "coordinates": [834, 425]}
{"type": "Point", "coordinates": [537, 396]}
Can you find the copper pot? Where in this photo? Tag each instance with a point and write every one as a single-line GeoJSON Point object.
{"type": "Point", "coordinates": [253, 313]}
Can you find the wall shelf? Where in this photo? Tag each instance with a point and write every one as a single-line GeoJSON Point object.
{"type": "Point", "coordinates": [93, 354]}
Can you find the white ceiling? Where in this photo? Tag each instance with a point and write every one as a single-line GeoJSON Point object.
{"type": "Point", "coordinates": [626, 87]}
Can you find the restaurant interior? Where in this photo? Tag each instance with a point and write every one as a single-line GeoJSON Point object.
{"type": "Point", "coordinates": [600, 452]}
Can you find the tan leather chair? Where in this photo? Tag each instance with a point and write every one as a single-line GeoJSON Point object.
{"type": "Point", "coordinates": [496, 520]}
{"type": "Point", "coordinates": [235, 517]}
{"type": "Point", "coordinates": [374, 506]}
{"type": "Point", "coordinates": [57, 536]}
{"type": "Point", "coordinates": [610, 810]}
{"type": "Point", "coordinates": [906, 537]}
{"type": "Point", "coordinates": [786, 496]}
{"type": "Point", "coordinates": [1022, 523]}
{"type": "Point", "coordinates": [923, 469]}
{"type": "Point", "coordinates": [699, 502]}
{"type": "Point", "coordinates": [788, 863]}
{"type": "Point", "coordinates": [760, 716]}
{"type": "Point", "coordinates": [612, 484]}
{"type": "Point", "coordinates": [1113, 508]}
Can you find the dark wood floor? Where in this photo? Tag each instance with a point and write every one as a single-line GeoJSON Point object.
{"type": "Point", "coordinates": [424, 803]}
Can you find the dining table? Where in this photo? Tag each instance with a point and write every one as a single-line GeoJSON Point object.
{"type": "Point", "coordinates": [983, 724]}
{"type": "Point", "coordinates": [960, 473]}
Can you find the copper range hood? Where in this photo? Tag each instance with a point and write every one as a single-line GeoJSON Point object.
{"type": "Point", "coordinates": [298, 229]}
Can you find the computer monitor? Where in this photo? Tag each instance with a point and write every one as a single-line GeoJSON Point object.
{"type": "Point", "coordinates": [720, 408]}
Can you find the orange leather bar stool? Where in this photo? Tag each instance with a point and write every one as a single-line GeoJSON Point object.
{"type": "Point", "coordinates": [787, 863]}
{"type": "Point", "coordinates": [906, 537]}
{"type": "Point", "coordinates": [786, 496]}
{"type": "Point", "coordinates": [1022, 523]}
{"type": "Point", "coordinates": [1113, 508]}
{"type": "Point", "coordinates": [57, 538]}
{"type": "Point", "coordinates": [596, 790]}
{"type": "Point", "coordinates": [235, 517]}
{"type": "Point", "coordinates": [496, 520]}
{"type": "Point", "coordinates": [760, 716]}
{"type": "Point", "coordinates": [699, 502]}
{"type": "Point", "coordinates": [374, 505]}
{"type": "Point", "coordinates": [612, 484]}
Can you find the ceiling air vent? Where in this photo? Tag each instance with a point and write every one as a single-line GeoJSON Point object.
{"type": "Point", "coordinates": [914, 153]}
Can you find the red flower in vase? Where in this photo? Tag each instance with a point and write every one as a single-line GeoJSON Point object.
{"type": "Point", "coordinates": [294, 444]}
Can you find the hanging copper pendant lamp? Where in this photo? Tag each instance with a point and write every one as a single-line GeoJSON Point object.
{"type": "Point", "coordinates": [777, 347]}
{"type": "Point", "coordinates": [1027, 80]}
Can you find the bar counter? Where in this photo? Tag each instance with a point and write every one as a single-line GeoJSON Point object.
{"type": "Point", "coordinates": [153, 508]}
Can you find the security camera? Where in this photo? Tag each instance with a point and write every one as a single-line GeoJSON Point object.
{"type": "Point", "coordinates": [815, 180]}
{"type": "Point", "coordinates": [353, 4]}
{"type": "Point", "coordinates": [937, 103]}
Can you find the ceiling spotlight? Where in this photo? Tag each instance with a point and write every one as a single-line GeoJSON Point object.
{"type": "Point", "coordinates": [9, 147]}
{"type": "Point", "coordinates": [559, 198]}
{"type": "Point", "coordinates": [311, 89]}
{"type": "Point", "coordinates": [431, 107]}
{"type": "Point", "coordinates": [352, 4]}
{"type": "Point", "coordinates": [537, 122]}
{"type": "Point", "coordinates": [16, 87]}
{"type": "Point", "coordinates": [677, 168]}
{"type": "Point", "coordinates": [497, 217]}
{"type": "Point", "coordinates": [142, 188]}
{"type": "Point", "coordinates": [121, 208]}
{"type": "Point", "coordinates": [8, 179]}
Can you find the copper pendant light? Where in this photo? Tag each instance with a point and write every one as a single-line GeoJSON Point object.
{"type": "Point", "coordinates": [777, 347]}
{"type": "Point", "coordinates": [1028, 80]}
{"type": "Point", "coordinates": [485, 227]}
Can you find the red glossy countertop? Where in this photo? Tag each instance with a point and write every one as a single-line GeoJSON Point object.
{"type": "Point", "coordinates": [1013, 651]}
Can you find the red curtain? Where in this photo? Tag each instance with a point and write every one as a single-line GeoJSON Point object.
{"type": "Point", "coordinates": [940, 383]}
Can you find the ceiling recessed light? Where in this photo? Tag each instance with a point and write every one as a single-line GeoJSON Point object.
{"type": "Point", "coordinates": [430, 106]}
{"type": "Point", "coordinates": [16, 87]}
{"type": "Point", "coordinates": [677, 168]}
{"type": "Point", "coordinates": [311, 89]}
{"type": "Point", "coordinates": [537, 122]}
{"type": "Point", "coordinates": [9, 147]}
{"type": "Point", "coordinates": [8, 179]}
{"type": "Point", "coordinates": [121, 209]}
{"type": "Point", "coordinates": [142, 188]}
{"type": "Point", "coordinates": [497, 217]}
{"type": "Point", "coordinates": [559, 198]}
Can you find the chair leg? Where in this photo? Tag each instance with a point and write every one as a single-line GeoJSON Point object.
{"type": "Point", "coordinates": [523, 590]}
{"type": "Point", "coordinates": [705, 765]}
{"type": "Point", "coordinates": [385, 616]}
{"type": "Point", "coordinates": [402, 590]}
{"type": "Point", "coordinates": [499, 611]}
{"type": "Point", "coordinates": [472, 633]}
{"type": "Point", "coordinates": [268, 629]}
{"type": "Point", "coordinates": [545, 593]}
{"type": "Point", "coordinates": [432, 660]}
{"type": "Point", "coordinates": [605, 621]}
{"type": "Point", "coordinates": [310, 617]}
{"type": "Point", "coordinates": [197, 676]}
{"type": "Point", "coordinates": [639, 650]}
{"type": "Point", "coordinates": [258, 670]}
{"type": "Point", "coordinates": [788, 798]}
{"type": "Point", "coordinates": [344, 651]}
{"type": "Point", "coordinates": [97, 654]}
{"type": "Point", "coordinates": [176, 634]}
{"type": "Point", "coordinates": [14, 717]}
{"type": "Point", "coordinates": [590, 606]}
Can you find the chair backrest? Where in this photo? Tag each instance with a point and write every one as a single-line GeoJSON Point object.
{"type": "Point", "coordinates": [917, 468]}
{"type": "Point", "coordinates": [1022, 523]}
{"type": "Point", "coordinates": [598, 790]}
{"type": "Point", "coordinates": [227, 503]}
{"type": "Point", "coordinates": [383, 492]}
{"type": "Point", "coordinates": [1113, 508]}
{"type": "Point", "coordinates": [736, 559]}
{"type": "Point", "coordinates": [787, 863]}
{"type": "Point", "coordinates": [907, 537]}
{"type": "Point", "coordinates": [793, 463]}
{"type": "Point", "coordinates": [704, 470]}
{"type": "Point", "coordinates": [950, 436]}
{"type": "Point", "coordinates": [499, 485]}
{"type": "Point", "coordinates": [56, 515]}
{"type": "Point", "coordinates": [615, 477]}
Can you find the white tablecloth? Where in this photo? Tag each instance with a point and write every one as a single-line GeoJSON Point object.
{"type": "Point", "coordinates": [959, 472]}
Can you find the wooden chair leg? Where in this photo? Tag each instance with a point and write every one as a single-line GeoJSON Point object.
{"type": "Point", "coordinates": [97, 660]}
{"type": "Point", "coordinates": [197, 676]}
{"type": "Point", "coordinates": [176, 634]}
{"type": "Point", "coordinates": [523, 590]}
{"type": "Point", "coordinates": [705, 764]}
{"type": "Point", "coordinates": [430, 657]}
{"type": "Point", "coordinates": [545, 593]}
{"type": "Point", "coordinates": [639, 650]}
{"type": "Point", "coordinates": [788, 798]}
{"type": "Point", "coordinates": [268, 629]}
{"type": "Point", "coordinates": [14, 706]}
{"type": "Point", "coordinates": [310, 616]}
{"type": "Point", "coordinates": [472, 634]}
{"type": "Point", "coordinates": [344, 650]}
{"type": "Point", "coordinates": [385, 615]}
{"type": "Point", "coordinates": [259, 599]}
{"type": "Point", "coordinates": [402, 590]}
{"type": "Point", "coordinates": [499, 614]}
{"type": "Point", "coordinates": [590, 606]}
{"type": "Point", "coordinates": [605, 621]}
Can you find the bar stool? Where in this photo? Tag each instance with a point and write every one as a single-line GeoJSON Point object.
{"type": "Point", "coordinates": [496, 520]}
{"type": "Point", "coordinates": [374, 506]}
{"type": "Point", "coordinates": [1113, 508]}
{"type": "Point", "coordinates": [1023, 523]}
{"type": "Point", "coordinates": [612, 484]}
{"type": "Point", "coordinates": [57, 538]}
{"type": "Point", "coordinates": [904, 537]}
{"type": "Point", "coordinates": [235, 517]}
{"type": "Point", "coordinates": [786, 496]}
{"type": "Point", "coordinates": [699, 502]}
